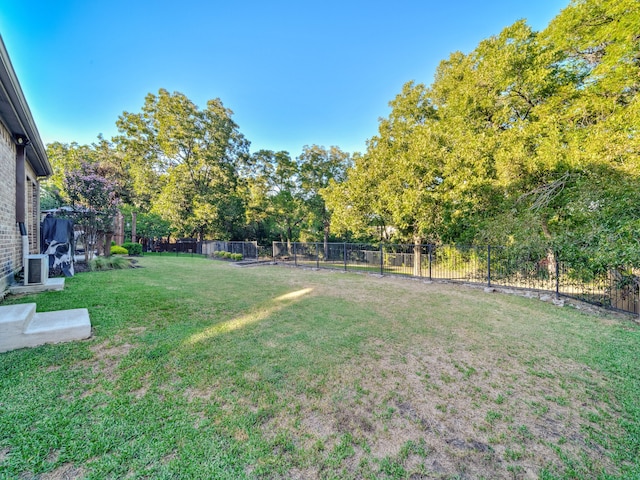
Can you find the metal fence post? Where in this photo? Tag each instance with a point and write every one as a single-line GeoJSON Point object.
{"type": "Point", "coordinates": [429, 251]}
{"type": "Point", "coordinates": [295, 256]}
{"type": "Point", "coordinates": [381, 259]}
{"type": "Point", "coordinates": [557, 278]}
{"type": "Point", "coordinates": [273, 251]}
{"type": "Point", "coordinates": [345, 256]}
{"type": "Point", "coordinates": [488, 265]}
{"type": "Point", "coordinates": [317, 255]}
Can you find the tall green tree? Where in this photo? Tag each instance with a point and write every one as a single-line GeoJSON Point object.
{"type": "Point", "coordinates": [398, 181]}
{"type": "Point", "coordinates": [531, 139]}
{"type": "Point", "coordinates": [186, 163]}
{"type": "Point", "coordinates": [276, 195]}
{"type": "Point", "coordinates": [317, 168]}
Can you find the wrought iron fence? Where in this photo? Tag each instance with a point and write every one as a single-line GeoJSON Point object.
{"type": "Point", "coordinates": [187, 246]}
{"type": "Point", "coordinates": [493, 266]}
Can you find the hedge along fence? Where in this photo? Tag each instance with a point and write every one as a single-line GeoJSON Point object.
{"type": "Point", "coordinates": [246, 249]}
{"type": "Point", "coordinates": [615, 288]}
{"type": "Point", "coordinates": [229, 256]}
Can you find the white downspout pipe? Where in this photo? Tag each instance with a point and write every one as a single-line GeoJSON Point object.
{"type": "Point", "coordinates": [25, 242]}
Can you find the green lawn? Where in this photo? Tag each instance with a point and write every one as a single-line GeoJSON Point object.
{"type": "Point", "coordinates": [199, 369]}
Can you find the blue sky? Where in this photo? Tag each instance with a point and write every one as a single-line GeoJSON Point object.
{"type": "Point", "coordinates": [294, 73]}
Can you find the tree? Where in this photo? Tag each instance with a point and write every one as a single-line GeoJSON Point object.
{"type": "Point", "coordinates": [150, 227]}
{"type": "Point", "coordinates": [397, 183]}
{"type": "Point", "coordinates": [531, 138]}
{"type": "Point", "coordinates": [318, 167]}
{"type": "Point", "coordinates": [275, 193]}
{"type": "Point", "coordinates": [186, 163]}
{"type": "Point", "coordinates": [94, 201]}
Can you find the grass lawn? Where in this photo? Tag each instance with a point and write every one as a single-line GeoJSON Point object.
{"type": "Point", "coordinates": [199, 369]}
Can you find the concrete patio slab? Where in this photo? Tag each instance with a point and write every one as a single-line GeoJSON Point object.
{"type": "Point", "coordinates": [52, 284]}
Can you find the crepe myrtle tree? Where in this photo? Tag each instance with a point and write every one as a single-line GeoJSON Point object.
{"type": "Point", "coordinates": [94, 201]}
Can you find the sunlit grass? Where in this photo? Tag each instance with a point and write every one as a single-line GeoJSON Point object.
{"type": "Point", "coordinates": [235, 323]}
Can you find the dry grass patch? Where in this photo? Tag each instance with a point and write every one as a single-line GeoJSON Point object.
{"type": "Point", "coordinates": [68, 471]}
{"type": "Point", "coordinates": [488, 397]}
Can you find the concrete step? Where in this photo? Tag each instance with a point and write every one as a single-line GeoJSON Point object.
{"type": "Point", "coordinates": [47, 327]}
{"type": "Point", "coordinates": [14, 319]}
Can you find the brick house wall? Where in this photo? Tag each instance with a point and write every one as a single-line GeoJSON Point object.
{"type": "Point", "coordinates": [10, 243]}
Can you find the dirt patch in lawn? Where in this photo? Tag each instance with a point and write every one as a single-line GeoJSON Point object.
{"type": "Point", "coordinates": [4, 453]}
{"type": "Point", "coordinates": [64, 472]}
{"type": "Point", "coordinates": [107, 357]}
{"type": "Point", "coordinates": [446, 412]}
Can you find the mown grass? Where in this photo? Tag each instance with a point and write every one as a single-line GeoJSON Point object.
{"type": "Point", "coordinates": [199, 369]}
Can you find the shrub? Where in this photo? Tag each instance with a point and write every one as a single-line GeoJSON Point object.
{"type": "Point", "coordinates": [108, 263]}
{"type": "Point", "coordinates": [133, 248]}
{"type": "Point", "coordinates": [118, 250]}
{"type": "Point", "coordinates": [228, 255]}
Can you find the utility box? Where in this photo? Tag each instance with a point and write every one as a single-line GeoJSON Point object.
{"type": "Point", "coordinates": [36, 269]}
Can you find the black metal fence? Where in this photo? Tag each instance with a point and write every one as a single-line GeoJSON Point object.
{"type": "Point", "coordinates": [493, 266]}
{"type": "Point", "coordinates": [191, 247]}
{"type": "Point", "coordinates": [207, 248]}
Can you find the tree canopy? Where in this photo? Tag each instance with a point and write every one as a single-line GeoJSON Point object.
{"type": "Point", "coordinates": [530, 139]}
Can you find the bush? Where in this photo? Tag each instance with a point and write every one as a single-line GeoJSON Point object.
{"type": "Point", "coordinates": [118, 250]}
{"type": "Point", "coordinates": [108, 263]}
{"type": "Point", "coordinates": [227, 255]}
{"type": "Point", "coordinates": [133, 248]}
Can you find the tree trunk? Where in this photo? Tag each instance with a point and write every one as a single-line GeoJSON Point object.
{"type": "Point", "coordinates": [417, 253]}
{"type": "Point", "coordinates": [89, 244]}
{"type": "Point", "coordinates": [107, 243]}
{"type": "Point", "coordinates": [100, 242]}
{"type": "Point", "coordinates": [133, 227]}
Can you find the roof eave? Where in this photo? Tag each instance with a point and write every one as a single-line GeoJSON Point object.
{"type": "Point", "coordinates": [17, 116]}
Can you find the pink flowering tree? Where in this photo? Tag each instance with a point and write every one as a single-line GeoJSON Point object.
{"type": "Point", "coordinates": [94, 200]}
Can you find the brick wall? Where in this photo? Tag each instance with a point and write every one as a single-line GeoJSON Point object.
{"type": "Point", "coordinates": [10, 244]}
{"type": "Point", "coordinates": [10, 241]}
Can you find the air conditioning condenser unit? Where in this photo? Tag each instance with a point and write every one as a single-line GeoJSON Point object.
{"type": "Point", "coordinates": [36, 269]}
